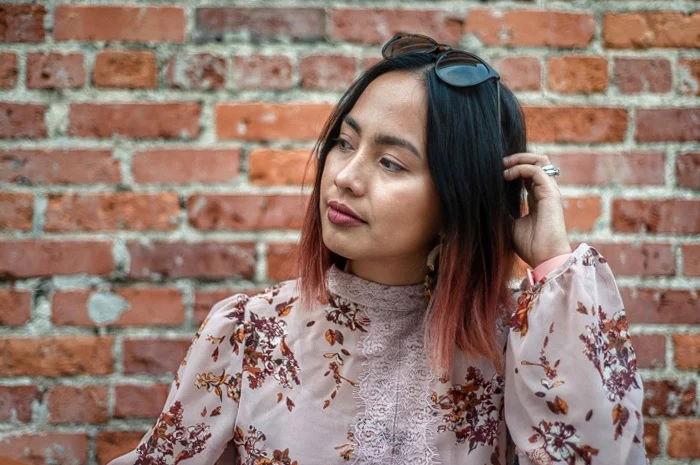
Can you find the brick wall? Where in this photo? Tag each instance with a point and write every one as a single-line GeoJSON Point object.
{"type": "Point", "coordinates": [151, 158]}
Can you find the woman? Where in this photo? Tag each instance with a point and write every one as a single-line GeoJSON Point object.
{"type": "Point", "coordinates": [401, 341]}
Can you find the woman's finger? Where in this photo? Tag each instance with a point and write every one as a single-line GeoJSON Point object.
{"type": "Point", "coordinates": [542, 184]}
{"type": "Point", "coordinates": [526, 157]}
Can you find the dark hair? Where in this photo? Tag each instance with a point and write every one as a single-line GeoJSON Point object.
{"type": "Point", "coordinates": [465, 151]}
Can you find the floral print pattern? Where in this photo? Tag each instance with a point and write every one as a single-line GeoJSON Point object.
{"type": "Point", "coordinates": [344, 382]}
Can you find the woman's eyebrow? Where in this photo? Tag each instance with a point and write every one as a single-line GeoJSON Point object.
{"type": "Point", "coordinates": [383, 139]}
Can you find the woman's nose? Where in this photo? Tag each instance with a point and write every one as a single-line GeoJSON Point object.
{"type": "Point", "coordinates": [352, 175]}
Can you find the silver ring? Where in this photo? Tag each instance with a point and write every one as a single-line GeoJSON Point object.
{"type": "Point", "coordinates": [551, 170]}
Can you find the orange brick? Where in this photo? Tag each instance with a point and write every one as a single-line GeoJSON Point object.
{"type": "Point", "coordinates": [15, 308]}
{"type": "Point", "coordinates": [22, 22]}
{"type": "Point", "coordinates": [72, 404]}
{"type": "Point", "coordinates": [643, 259]}
{"type": "Point", "coordinates": [376, 25]}
{"type": "Point", "coordinates": [56, 356]}
{"type": "Point", "coordinates": [16, 211]}
{"type": "Point", "coordinates": [139, 120]}
{"type": "Point", "coordinates": [206, 260]}
{"type": "Point", "coordinates": [689, 76]}
{"type": "Point", "coordinates": [269, 121]}
{"type": "Point", "coordinates": [519, 73]}
{"type": "Point", "coordinates": [262, 72]}
{"type": "Point", "coordinates": [57, 166]}
{"type": "Point", "coordinates": [327, 72]}
{"type": "Point", "coordinates": [575, 124]}
{"type": "Point", "coordinates": [154, 356]}
{"type": "Point", "coordinates": [112, 212]}
{"type": "Point", "coordinates": [661, 306]}
{"type": "Point", "coordinates": [129, 23]}
{"type": "Point", "coordinates": [136, 401]}
{"type": "Point", "coordinates": [686, 351]}
{"type": "Point", "coordinates": [577, 74]}
{"type": "Point", "coordinates": [684, 438]}
{"type": "Point", "coordinates": [268, 167]}
{"type": "Point", "coordinates": [668, 124]}
{"type": "Point", "coordinates": [8, 69]}
{"type": "Point", "coordinates": [650, 350]}
{"type": "Point", "coordinates": [676, 216]}
{"type": "Point", "coordinates": [531, 28]}
{"type": "Point", "coordinates": [125, 68]}
{"type": "Point", "coordinates": [38, 448]}
{"type": "Point", "coordinates": [16, 402]}
{"type": "Point", "coordinates": [20, 120]}
{"type": "Point", "coordinates": [241, 212]}
{"type": "Point", "coordinates": [186, 165]}
{"type": "Point", "coordinates": [581, 213]}
{"type": "Point", "coordinates": [644, 29]}
{"type": "Point", "coordinates": [651, 439]}
{"type": "Point", "coordinates": [111, 444]}
{"type": "Point", "coordinates": [118, 307]}
{"type": "Point", "coordinates": [47, 257]}
{"type": "Point", "coordinates": [633, 75]}
{"type": "Point", "coordinates": [599, 169]}
{"type": "Point", "coordinates": [281, 261]}
{"type": "Point", "coordinates": [55, 70]}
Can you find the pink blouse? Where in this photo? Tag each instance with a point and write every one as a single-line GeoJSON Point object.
{"type": "Point", "coordinates": [349, 382]}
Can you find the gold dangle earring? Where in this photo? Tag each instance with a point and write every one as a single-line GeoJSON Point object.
{"type": "Point", "coordinates": [431, 273]}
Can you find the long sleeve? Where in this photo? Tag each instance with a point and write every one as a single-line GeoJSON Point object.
{"type": "Point", "coordinates": [199, 413]}
{"type": "Point", "coordinates": [573, 394]}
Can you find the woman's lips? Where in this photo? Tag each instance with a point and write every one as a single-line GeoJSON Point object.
{"type": "Point", "coordinates": [341, 219]}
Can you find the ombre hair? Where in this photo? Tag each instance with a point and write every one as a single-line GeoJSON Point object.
{"type": "Point", "coordinates": [465, 150]}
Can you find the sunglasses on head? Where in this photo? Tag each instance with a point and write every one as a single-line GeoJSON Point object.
{"type": "Point", "coordinates": [455, 67]}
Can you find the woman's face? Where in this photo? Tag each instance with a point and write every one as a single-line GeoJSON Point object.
{"type": "Point", "coordinates": [379, 169]}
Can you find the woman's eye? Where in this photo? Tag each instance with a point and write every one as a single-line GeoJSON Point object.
{"type": "Point", "coordinates": [399, 167]}
{"type": "Point", "coordinates": [340, 141]}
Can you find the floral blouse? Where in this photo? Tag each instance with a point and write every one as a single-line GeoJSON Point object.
{"type": "Point", "coordinates": [350, 382]}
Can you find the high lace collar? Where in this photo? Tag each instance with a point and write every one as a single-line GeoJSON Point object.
{"type": "Point", "coordinates": [368, 293]}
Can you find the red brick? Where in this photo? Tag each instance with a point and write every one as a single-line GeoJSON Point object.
{"type": "Point", "coordinates": [327, 72]}
{"type": "Point", "coordinates": [684, 438]}
{"type": "Point", "coordinates": [219, 23]}
{"type": "Point", "coordinates": [154, 356]}
{"type": "Point", "coordinates": [129, 23]}
{"type": "Point", "coordinates": [8, 69]}
{"type": "Point", "coordinates": [46, 257]}
{"type": "Point", "coordinates": [519, 72]}
{"type": "Point", "coordinates": [599, 169]}
{"type": "Point", "coordinates": [73, 404]}
{"type": "Point", "coordinates": [644, 259]}
{"type": "Point", "coordinates": [139, 120]}
{"type": "Point", "coordinates": [651, 439]}
{"type": "Point", "coordinates": [376, 25]}
{"type": "Point", "coordinates": [118, 307]}
{"type": "Point", "coordinates": [19, 120]}
{"type": "Point", "coordinates": [263, 121]}
{"type": "Point", "coordinates": [281, 261]}
{"type": "Point", "coordinates": [686, 348]}
{"type": "Point", "coordinates": [207, 260]}
{"type": "Point", "coordinates": [688, 170]}
{"type": "Point", "coordinates": [57, 166]}
{"type": "Point", "coordinates": [55, 70]}
{"type": "Point", "coordinates": [40, 448]}
{"type": "Point", "coordinates": [16, 210]}
{"type": "Point", "coordinates": [669, 398]}
{"type": "Point", "coordinates": [196, 71]}
{"type": "Point", "coordinates": [575, 124]}
{"type": "Point", "coordinates": [16, 402]}
{"type": "Point", "coordinates": [22, 22]}
{"type": "Point", "coordinates": [675, 216]}
{"type": "Point", "coordinates": [241, 212]}
{"type": "Point", "coordinates": [634, 75]}
{"type": "Point", "coordinates": [205, 300]}
{"type": "Point", "coordinates": [661, 306]}
{"type": "Point", "coordinates": [15, 307]}
{"type": "Point", "coordinates": [577, 74]}
{"type": "Point", "coordinates": [56, 356]}
{"type": "Point", "coordinates": [269, 167]}
{"type": "Point", "coordinates": [186, 165]}
{"type": "Point", "coordinates": [581, 213]}
{"type": "Point", "coordinates": [531, 28]}
{"type": "Point", "coordinates": [111, 444]}
{"type": "Point", "coordinates": [650, 350]}
{"type": "Point", "coordinates": [131, 69]}
{"type": "Point", "coordinates": [136, 401]}
{"type": "Point", "coordinates": [112, 212]}
{"type": "Point", "coordinates": [691, 259]}
{"type": "Point", "coordinates": [668, 124]}
{"type": "Point", "coordinates": [689, 76]}
{"type": "Point", "coordinates": [262, 72]}
{"type": "Point", "coordinates": [644, 29]}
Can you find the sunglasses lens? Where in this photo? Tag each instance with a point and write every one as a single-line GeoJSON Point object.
{"type": "Point", "coordinates": [408, 44]}
{"type": "Point", "coordinates": [462, 69]}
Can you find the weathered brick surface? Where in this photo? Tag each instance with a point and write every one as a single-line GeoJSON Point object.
{"type": "Point", "coordinates": [154, 153]}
